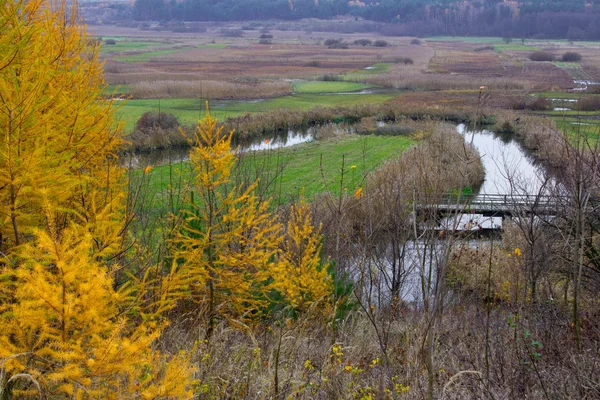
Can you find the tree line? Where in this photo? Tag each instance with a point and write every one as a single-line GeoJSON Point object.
{"type": "Point", "coordinates": [575, 20]}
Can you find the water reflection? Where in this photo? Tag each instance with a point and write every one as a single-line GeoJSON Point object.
{"type": "Point", "coordinates": [508, 167]}
{"type": "Point", "coordinates": [181, 154]}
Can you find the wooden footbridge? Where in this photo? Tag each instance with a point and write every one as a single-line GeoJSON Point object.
{"type": "Point", "coordinates": [492, 205]}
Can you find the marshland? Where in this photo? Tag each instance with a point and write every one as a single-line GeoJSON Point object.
{"type": "Point", "coordinates": [284, 208]}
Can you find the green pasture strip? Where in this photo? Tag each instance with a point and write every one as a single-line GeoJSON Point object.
{"type": "Point", "coordinates": [302, 167]}
{"type": "Point", "coordinates": [559, 95]}
{"type": "Point", "coordinates": [189, 110]}
{"type": "Point", "coordinates": [212, 46]}
{"type": "Point", "coordinates": [589, 128]}
{"type": "Point", "coordinates": [147, 56]}
{"type": "Point", "coordinates": [123, 45]}
{"type": "Point", "coordinates": [568, 113]}
{"type": "Point", "coordinates": [328, 87]}
{"type": "Point", "coordinates": [466, 39]}
{"type": "Point", "coordinates": [514, 47]}
{"type": "Point", "coordinates": [110, 89]}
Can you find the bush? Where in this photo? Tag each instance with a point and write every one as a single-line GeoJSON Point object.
{"type": "Point", "coordinates": [110, 42]}
{"type": "Point", "coordinates": [151, 120]}
{"type": "Point", "coordinates": [331, 78]}
{"type": "Point", "coordinates": [338, 45]}
{"type": "Point", "coordinates": [415, 42]}
{"type": "Point", "coordinates": [394, 130]}
{"type": "Point", "coordinates": [363, 42]}
{"type": "Point", "coordinates": [541, 56]}
{"type": "Point", "coordinates": [540, 104]}
{"type": "Point", "coordinates": [331, 42]}
{"type": "Point", "coordinates": [314, 63]}
{"type": "Point", "coordinates": [594, 89]}
{"type": "Point", "coordinates": [265, 41]}
{"type": "Point", "coordinates": [405, 60]}
{"type": "Point", "coordinates": [522, 103]}
{"type": "Point", "coordinates": [232, 32]}
{"type": "Point", "coordinates": [589, 103]}
{"type": "Point", "coordinates": [571, 56]}
{"type": "Point", "coordinates": [266, 36]}
{"type": "Point", "coordinates": [380, 43]}
{"type": "Point", "coordinates": [484, 48]}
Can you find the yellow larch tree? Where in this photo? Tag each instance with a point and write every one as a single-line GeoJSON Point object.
{"type": "Point", "coordinates": [65, 331]}
{"type": "Point", "coordinates": [57, 134]}
{"type": "Point", "coordinates": [300, 275]}
{"type": "Point", "coordinates": [233, 247]}
{"type": "Point", "coordinates": [229, 239]}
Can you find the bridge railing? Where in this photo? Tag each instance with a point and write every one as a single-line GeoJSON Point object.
{"type": "Point", "coordinates": [492, 201]}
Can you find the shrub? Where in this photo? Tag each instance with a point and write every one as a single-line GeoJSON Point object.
{"type": "Point", "coordinates": [380, 43]}
{"type": "Point", "coordinates": [523, 103]}
{"type": "Point", "coordinates": [150, 120]}
{"type": "Point", "coordinates": [330, 42]}
{"type": "Point", "coordinates": [506, 127]}
{"type": "Point", "coordinates": [393, 130]}
{"type": "Point", "coordinates": [331, 78]}
{"type": "Point", "coordinates": [571, 56]}
{"type": "Point", "coordinates": [540, 104]}
{"type": "Point", "coordinates": [266, 36]}
{"type": "Point", "coordinates": [232, 32]}
{"type": "Point", "coordinates": [340, 45]}
{"type": "Point", "coordinates": [415, 42]}
{"type": "Point", "coordinates": [541, 56]}
{"type": "Point", "coordinates": [363, 42]}
{"type": "Point", "coordinates": [313, 63]}
{"type": "Point", "coordinates": [594, 89]}
{"type": "Point", "coordinates": [589, 103]}
{"type": "Point", "coordinates": [265, 41]}
{"type": "Point", "coordinates": [110, 42]}
{"type": "Point", "coordinates": [484, 48]}
{"type": "Point", "coordinates": [405, 60]}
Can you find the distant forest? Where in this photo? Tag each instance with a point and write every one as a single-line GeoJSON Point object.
{"type": "Point", "coordinates": [571, 19]}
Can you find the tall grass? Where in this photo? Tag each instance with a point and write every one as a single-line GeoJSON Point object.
{"type": "Point", "coordinates": [210, 89]}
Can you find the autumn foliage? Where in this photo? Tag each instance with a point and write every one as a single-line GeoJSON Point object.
{"type": "Point", "coordinates": [66, 330]}
{"type": "Point", "coordinates": [233, 246]}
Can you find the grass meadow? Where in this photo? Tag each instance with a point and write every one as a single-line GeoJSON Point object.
{"type": "Point", "coordinates": [308, 168]}
{"type": "Point", "coordinates": [190, 110]}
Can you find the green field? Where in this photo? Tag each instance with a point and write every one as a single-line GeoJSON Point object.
{"type": "Point", "coordinates": [467, 39]}
{"type": "Point", "coordinates": [147, 56]}
{"type": "Point", "coordinates": [301, 167]}
{"type": "Point", "coordinates": [110, 89]}
{"type": "Point", "coordinates": [328, 87]}
{"type": "Point", "coordinates": [514, 47]}
{"type": "Point", "coordinates": [587, 127]}
{"type": "Point", "coordinates": [212, 46]}
{"type": "Point", "coordinates": [560, 95]}
{"type": "Point", "coordinates": [379, 68]}
{"type": "Point", "coordinates": [568, 113]}
{"type": "Point", "coordinates": [123, 45]}
{"type": "Point", "coordinates": [188, 110]}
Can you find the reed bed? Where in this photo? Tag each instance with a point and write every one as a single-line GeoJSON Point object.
{"type": "Point", "coordinates": [210, 89]}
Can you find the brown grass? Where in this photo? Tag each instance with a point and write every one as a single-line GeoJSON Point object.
{"type": "Point", "coordinates": [210, 89]}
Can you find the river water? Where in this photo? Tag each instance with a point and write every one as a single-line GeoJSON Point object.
{"type": "Point", "coordinates": [509, 168]}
